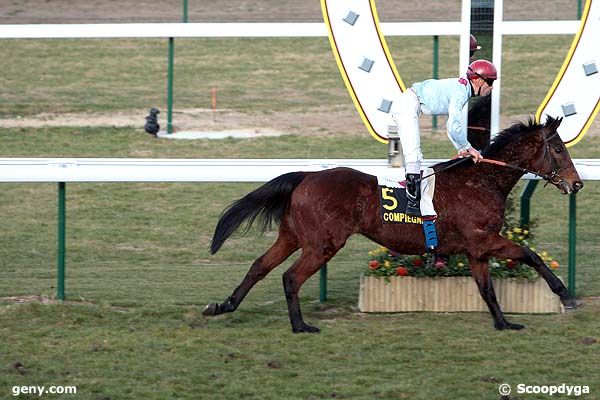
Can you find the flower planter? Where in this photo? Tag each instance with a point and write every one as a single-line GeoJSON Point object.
{"type": "Point", "coordinates": [452, 294]}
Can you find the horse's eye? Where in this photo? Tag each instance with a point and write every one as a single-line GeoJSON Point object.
{"type": "Point", "coordinates": [558, 150]}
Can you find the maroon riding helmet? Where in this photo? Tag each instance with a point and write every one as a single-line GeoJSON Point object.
{"type": "Point", "coordinates": [482, 69]}
{"type": "Point", "coordinates": [473, 44]}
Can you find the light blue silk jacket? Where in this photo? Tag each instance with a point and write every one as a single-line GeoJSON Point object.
{"type": "Point", "coordinates": [446, 97]}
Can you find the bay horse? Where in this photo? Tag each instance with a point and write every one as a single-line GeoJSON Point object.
{"type": "Point", "coordinates": [318, 211]}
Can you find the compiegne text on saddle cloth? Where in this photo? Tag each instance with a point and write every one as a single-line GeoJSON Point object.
{"type": "Point", "coordinates": [392, 194]}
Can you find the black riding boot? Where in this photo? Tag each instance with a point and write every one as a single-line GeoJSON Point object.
{"type": "Point", "coordinates": [413, 194]}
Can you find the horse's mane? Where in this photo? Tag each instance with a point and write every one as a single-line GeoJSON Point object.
{"type": "Point", "coordinates": [502, 139]}
{"type": "Point", "coordinates": [510, 134]}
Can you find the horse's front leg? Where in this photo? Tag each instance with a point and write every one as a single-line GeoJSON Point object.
{"type": "Point", "coordinates": [481, 273]}
{"type": "Point", "coordinates": [504, 249]}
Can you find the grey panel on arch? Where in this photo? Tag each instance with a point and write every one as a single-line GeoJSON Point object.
{"type": "Point", "coordinates": [569, 109]}
{"type": "Point", "coordinates": [367, 65]}
{"type": "Point", "coordinates": [385, 106]}
{"type": "Point", "coordinates": [590, 68]}
{"type": "Point", "coordinates": [351, 17]}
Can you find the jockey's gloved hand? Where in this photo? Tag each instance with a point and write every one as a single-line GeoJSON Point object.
{"type": "Point", "coordinates": [471, 152]}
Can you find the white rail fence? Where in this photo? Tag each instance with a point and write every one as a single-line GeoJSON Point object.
{"type": "Point", "coordinates": [62, 170]}
{"type": "Point", "coordinates": [199, 170]}
{"type": "Point", "coordinates": [258, 29]}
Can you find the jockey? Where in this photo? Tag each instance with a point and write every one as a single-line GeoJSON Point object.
{"type": "Point", "coordinates": [473, 46]}
{"type": "Point", "coordinates": [437, 97]}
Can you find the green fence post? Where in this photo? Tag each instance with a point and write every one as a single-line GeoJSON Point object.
{"type": "Point", "coordinates": [170, 73]}
{"type": "Point", "coordinates": [60, 291]}
{"type": "Point", "coordinates": [323, 284]}
{"type": "Point", "coordinates": [436, 50]}
{"type": "Point", "coordinates": [170, 86]}
{"type": "Point", "coordinates": [525, 201]}
{"type": "Point", "coordinates": [572, 241]}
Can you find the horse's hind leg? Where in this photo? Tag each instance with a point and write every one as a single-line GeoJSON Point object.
{"type": "Point", "coordinates": [293, 279]}
{"type": "Point", "coordinates": [481, 274]}
{"type": "Point", "coordinates": [309, 262]}
{"type": "Point", "coordinates": [285, 245]}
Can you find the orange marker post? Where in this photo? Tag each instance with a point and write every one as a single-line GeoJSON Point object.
{"type": "Point", "coordinates": [214, 103]}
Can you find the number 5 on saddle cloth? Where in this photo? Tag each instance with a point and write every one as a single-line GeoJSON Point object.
{"type": "Point", "coordinates": [392, 195]}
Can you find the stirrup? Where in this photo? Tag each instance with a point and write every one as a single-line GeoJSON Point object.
{"type": "Point", "coordinates": [413, 209]}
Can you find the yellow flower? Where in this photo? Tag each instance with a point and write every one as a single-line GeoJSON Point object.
{"type": "Point", "coordinates": [461, 265]}
{"type": "Point", "coordinates": [526, 232]}
{"type": "Point", "coordinates": [387, 264]}
{"type": "Point", "coordinates": [521, 237]}
{"type": "Point", "coordinates": [509, 235]}
{"type": "Point", "coordinates": [517, 230]}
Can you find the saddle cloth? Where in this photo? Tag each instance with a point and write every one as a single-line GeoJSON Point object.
{"type": "Point", "coordinates": [392, 193]}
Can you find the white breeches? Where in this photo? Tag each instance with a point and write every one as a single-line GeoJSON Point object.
{"type": "Point", "coordinates": [405, 112]}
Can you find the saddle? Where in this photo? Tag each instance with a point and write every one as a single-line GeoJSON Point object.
{"type": "Point", "coordinates": [392, 194]}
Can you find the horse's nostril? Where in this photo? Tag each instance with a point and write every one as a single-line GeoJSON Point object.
{"type": "Point", "coordinates": [577, 186]}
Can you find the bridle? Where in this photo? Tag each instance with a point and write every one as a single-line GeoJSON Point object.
{"type": "Point", "coordinates": [553, 177]}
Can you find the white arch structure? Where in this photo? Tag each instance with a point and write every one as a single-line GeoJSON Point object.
{"type": "Point", "coordinates": [364, 59]}
{"type": "Point", "coordinates": [373, 81]}
{"type": "Point", "coordinates": [575, 93]}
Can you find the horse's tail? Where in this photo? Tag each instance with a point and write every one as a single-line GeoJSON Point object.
{"type": "Point", "coordinates": [267, 203]}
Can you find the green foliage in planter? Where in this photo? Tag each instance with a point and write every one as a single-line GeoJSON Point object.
{"type": "Point", "coordinates": [383, 262]}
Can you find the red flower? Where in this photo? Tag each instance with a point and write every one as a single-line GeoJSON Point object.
{"type": "Point", "coordinates": [401, 271]}
{"type": "Point", "coordinates": [418, 262]}
{"type": "Point", "coordinates": [511, 263]}
{"type": "Point", "coordinates": [373, 264]}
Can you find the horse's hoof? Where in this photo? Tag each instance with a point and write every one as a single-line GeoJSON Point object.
{"type": "Point", "coordinates": [210, 309]}
{"type": "Point", "coordinates": [306, 329]}
{"type": "Point", "coordinates": [508, 325]}
{"type": "Point", "coordinates": [569, 303]}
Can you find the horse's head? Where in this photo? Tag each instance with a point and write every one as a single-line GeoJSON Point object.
{"type": "Point", "coordinates": [537, 148]}
{"type": "Point", "coordinates": [554, 161]}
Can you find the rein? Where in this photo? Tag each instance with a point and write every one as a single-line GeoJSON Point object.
{"type": "Point", "coordinates": [549, 178]}
{"type": "Point", "coordinates": [490, 161]}
{"type": "Point", "coordinates": [524, 170]}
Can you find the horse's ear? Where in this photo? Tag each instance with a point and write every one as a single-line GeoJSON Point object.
{"type": "Point", "coordinates": [552, 124]}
